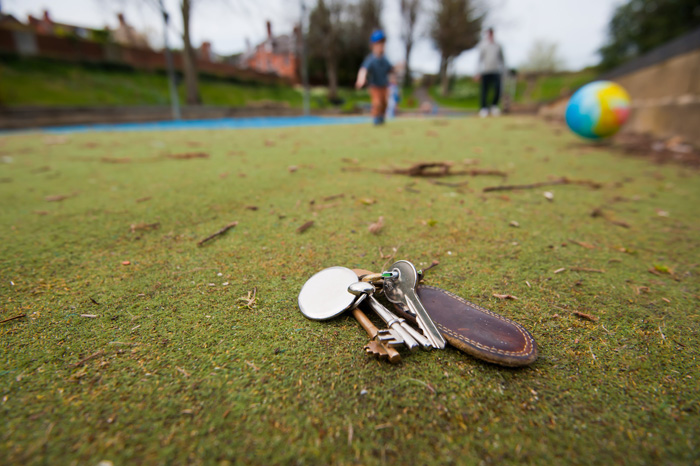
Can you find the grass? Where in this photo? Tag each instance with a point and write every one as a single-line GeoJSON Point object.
{"type": "Point", "coordinates": [176, 369]}
{"type": "Point", "coordinates": [45, 82]}
{"type": "Point", "coordinates": [548, 88]}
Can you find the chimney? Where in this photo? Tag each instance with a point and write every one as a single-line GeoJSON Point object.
{"type": "Point", "coordinates": [269, 29]}
{"type": "Point", "coordinates": [47, 17]}
{"type": "Point", "coordinates": [122, 21]}
{"type": "Point", "coordinates": [205, 51]}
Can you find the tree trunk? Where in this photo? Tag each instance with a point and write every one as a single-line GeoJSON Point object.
{"type": "Point", "coordinates": [444, 79]}
{"type": "Point", "coordinates": [191, 82]}
{"type": "Point", "coordinates": [407, 81]}
{"type": "Point", "coordinates": [332, 72]}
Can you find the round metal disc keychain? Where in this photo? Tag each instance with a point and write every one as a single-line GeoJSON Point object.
{"type": "Point", "coordinates": [325, 295]}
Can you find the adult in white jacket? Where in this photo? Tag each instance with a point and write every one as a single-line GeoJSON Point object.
{"type": "Point", "coordinates": [491, 68]}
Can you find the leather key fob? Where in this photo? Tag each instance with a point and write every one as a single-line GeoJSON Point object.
{"type": "Point", "coordinates": [475, 330]}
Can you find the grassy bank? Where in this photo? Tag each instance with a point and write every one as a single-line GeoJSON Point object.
{"type": "Point", "coordinates": [45, 82]}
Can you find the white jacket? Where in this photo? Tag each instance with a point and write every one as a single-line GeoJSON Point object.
{"type": "Point", "coordinates": [491, 58]}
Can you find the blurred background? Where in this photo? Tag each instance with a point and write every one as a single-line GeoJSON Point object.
{"type": "Point", "coordinates": [83, 61]}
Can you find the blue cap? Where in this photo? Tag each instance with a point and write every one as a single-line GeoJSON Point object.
{"type": "Point", "coordinates": [377, 36]}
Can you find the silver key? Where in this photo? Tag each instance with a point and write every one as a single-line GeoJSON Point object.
{"type": "Point", "coordinates": [364, 289]}
{"type": "Point", "coordinates": [400, 288]}
{"type": "Point", "coordinates": [390, 337]}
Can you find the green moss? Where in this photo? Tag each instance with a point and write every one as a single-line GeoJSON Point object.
{"type": "Point", "coordinates": [182, 372]}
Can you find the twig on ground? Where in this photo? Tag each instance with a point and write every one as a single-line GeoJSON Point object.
{"type": "Point", "coordinates": [450, 185]}
{"type": "Point", "coordinates": [144, 226]}
{"type": "Point", "coordinates": [433, 265]}
{"type": "Point", "coordinates": [585, 316]}
{"type": "Point", "coordinates": [585, 269]}
{"type": "Point", "coordinates": [431, 170]}
{"type": "Point", "coordinates": [84, 360]}
{"type": "Point", "coordinates": [560, 181]}
{"type": "Point", "coordinates": [13, 318]}
{"type": "Point", "coordinates": [116, 159]}
{"type": "Point", "coordinates": [410, 188]}
{"type": "Point", "coordinates": [598, 212]}
{"type": "Point", "coordinates": [505, 296]}
{"type": "Point", "coordinates": [218, 233]}
{"type": "Point", "coordinates": [583, 244]}
{"type": "Point", "coordinates": [305, 226]}
{"type": "Point", "coordinates": [188, 155]}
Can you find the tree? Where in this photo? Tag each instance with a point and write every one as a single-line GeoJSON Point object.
{"type": "Point", "coordinates": [543, 57]}
{"type": "Point", "coordinates": [368, 14]}
{"type": "Point", "coordinates": [192, 96]}
{"type": "Point", "coordinates": [338, 39]}
{"type": "Point", "coordinates": [409, 17]}
{"type": "Point", "coordinates": [361, 18]}
{"type": "Point", "coordinates": [324, 39]}
{"type": "Point", "coordinates": [642, 25]}
{"type": "Point", "coordinates": [456, 27]}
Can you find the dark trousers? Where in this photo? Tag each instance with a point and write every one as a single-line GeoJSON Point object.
{"type": "Point", "coordinates": [488, 81]}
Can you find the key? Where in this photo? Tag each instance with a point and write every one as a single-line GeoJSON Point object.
{"type": "Point", "coordinates": [392, 321]}
{"type": "Point", "coordinates": [400, 288]}
{"type": "Point", "coordinates": [325, 295]}
{"type": "Point", "coordinates": [392, 355]}
{"type": "Point", "coordinates": [375, 348]}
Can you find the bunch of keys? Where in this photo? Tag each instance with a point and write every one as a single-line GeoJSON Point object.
{"type": "Point", "coordinates": [335, 290]}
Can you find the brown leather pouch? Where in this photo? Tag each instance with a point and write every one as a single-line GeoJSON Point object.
{"type": "Point", "coordinates": [475, 330]}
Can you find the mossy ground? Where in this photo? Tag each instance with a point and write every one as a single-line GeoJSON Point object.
{"type": "Point", "coordinates": [184, 372]}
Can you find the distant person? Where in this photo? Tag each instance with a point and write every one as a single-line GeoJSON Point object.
{"type": "Point", "coordinates": [491, 67]}
{"type": "Point", "coordinates": [375, 72]}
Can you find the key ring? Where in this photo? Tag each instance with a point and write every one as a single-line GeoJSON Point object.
{"type": "Point", "coordinates": [373, 278]}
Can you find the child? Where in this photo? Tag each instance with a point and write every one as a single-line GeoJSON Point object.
{"type": "Point", "coordinates": [375, 71]}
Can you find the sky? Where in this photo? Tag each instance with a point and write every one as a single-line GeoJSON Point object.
{"type": "Point", "coordinates": [578, 27]}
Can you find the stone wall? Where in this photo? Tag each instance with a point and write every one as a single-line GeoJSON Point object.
{"type": "Point", "coordinates": [666, 98]}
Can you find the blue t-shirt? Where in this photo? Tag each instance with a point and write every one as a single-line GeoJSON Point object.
{"type": "Point", "coordinates": [378, 69]}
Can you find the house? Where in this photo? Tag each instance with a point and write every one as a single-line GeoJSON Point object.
{"type": "Point", "coordinates": [46, 26]}
{"type": "Point", "coordinates": [276, 54]}
{"type": "Point", "coordinates": [127, 35]}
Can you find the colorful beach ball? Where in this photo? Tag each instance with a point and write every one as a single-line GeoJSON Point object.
{"type": "Point", "coordinates": [598, 110]}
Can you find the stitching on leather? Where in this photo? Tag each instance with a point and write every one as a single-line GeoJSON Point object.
{"type": "Point", "coordinates": [529, 342]}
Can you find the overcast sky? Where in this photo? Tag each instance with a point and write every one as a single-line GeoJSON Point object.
{"type": "Point", "coordinates": [578, 27]}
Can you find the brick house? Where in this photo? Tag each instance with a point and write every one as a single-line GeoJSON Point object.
{"type": "Point", "coordinates": [46, 26]}
{"type": "Point", "coordinates": [277, 54]}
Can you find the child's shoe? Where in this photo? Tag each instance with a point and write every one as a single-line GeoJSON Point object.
{"type": "Point", "coordinates": [495, 111]}
{"type": "Point", "coordinates": [483, 113]}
